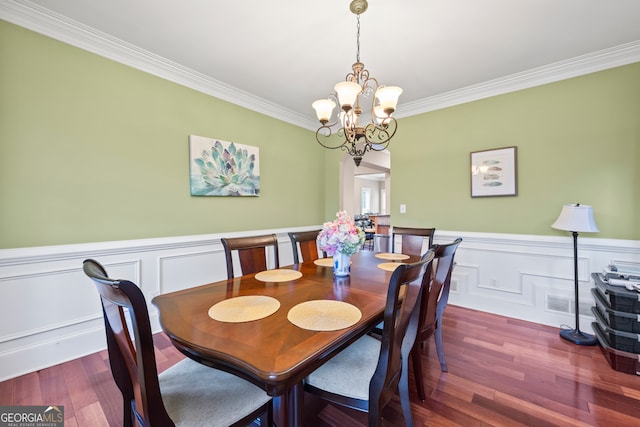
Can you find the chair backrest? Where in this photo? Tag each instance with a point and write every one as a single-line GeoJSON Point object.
{"type": "Point", "coordinates": [132, 359]}
{"type": "Point", "coordinates": [412, 239]}
{"type": "Point", "coordinates": [251, 253]}
{"type": "Point", "coordinates": [307, 243]}
{"type": "Point", "coordinates": [437, 294]}
{"type": "Point", "coordinates": [364, 222]}
{"type": "Point", "coordinates": [400, 328]}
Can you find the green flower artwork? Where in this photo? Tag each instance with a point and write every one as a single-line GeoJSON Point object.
{"type": "Point", "coordinates": [221, 168]}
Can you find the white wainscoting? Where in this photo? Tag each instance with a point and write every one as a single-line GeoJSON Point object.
{"type": "Point", "coordinates": [532, 277]}
{"type": "Point", "coordinates": [50, 312]}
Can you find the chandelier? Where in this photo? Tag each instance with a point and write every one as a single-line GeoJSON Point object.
{"type": "Point", "coordinates": [358, 88]}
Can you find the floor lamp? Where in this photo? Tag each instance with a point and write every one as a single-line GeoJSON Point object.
{"type": "Point", "coordinates": [576, 218]}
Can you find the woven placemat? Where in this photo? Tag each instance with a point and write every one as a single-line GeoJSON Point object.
{"type": "Point", "coordinates": [324, 262]}
{"type": "Point", "coordinates": [244, 309]}
{"type": "Point", "coordinates": [389, 266]}
{"type": "Point", "coordinates": [278, 275]}
{"type": "Point", "coordinates": [324, 315]}
{"type": "Point", "coordinates": [391, 256]}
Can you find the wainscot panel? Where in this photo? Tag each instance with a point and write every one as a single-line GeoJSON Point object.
{"type": "Point", "coordinates": [531, 277]}
{"type": "Point", "coordinates": [50, 311]}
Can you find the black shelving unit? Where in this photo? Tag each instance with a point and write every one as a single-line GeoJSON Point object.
{"type": "Point", "coordinates": [617, 325]}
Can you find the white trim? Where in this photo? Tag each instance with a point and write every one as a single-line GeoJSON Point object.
{"type": "Point", "coordinates": [562, 242]}
{"type": "Point", "coordinates": [617, 56]}
{"type": "Point", "coordinates": [15, 256]}
{"type": "Point", "coordinates": [56, 26]}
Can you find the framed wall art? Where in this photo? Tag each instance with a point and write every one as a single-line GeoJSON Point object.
{"type": "Point", "coordinates": [494, 172]}
{"type": "Point", "coordinates": [222, 168]}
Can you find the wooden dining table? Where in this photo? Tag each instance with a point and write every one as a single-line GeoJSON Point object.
{"type": "Point", "coordinates": [272, 352]}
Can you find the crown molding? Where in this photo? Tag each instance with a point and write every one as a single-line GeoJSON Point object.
{"type": "Point", "coordinates": [56, 26]}
{"type": "Point", "coordinates": [617, 56]}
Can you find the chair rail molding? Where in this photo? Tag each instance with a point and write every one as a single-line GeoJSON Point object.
{"type": "Point", "coordinates": [50, 312]}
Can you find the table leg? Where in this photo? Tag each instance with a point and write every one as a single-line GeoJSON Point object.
{"type": "Point", "coordinates": [287, 409]}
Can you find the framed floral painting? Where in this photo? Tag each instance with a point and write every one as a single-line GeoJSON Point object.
{"type": "Point", "coordinates": [222, 168]}
{"type": "Point", "coordinates": [494, 173]}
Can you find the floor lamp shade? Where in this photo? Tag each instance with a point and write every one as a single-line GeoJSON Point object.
{"type": "Point", "coordinates": [576, 218]}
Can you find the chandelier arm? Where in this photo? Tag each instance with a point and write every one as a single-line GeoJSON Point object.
{"type": "Point", "coordinates": [360, 76]}
{"type": "Point", "coordinates": [368, 79]}
{"type": "Point", "coordinates": [350, 149]}
{"type": "Point", "coordinates": [370, 90]}
{"type": "Point", "coordinates": [318, 139]}
{"type": "Point", "coordinates": [349, 135]}
{"type": "Point", "coordinates": [381, 134]}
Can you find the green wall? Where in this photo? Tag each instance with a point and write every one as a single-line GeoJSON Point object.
{"type": "Point", "coordinates": [578, 141]}
{"type": "Point", "coordinates": [93, 150]}
{"type": "Point", "coordinates": [332, 175]}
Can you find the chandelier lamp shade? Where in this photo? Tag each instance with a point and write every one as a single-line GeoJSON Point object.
{"type": "Point", "coordinates": [359, 93]}
{"type": "Point", "coordinates": [576, 218]}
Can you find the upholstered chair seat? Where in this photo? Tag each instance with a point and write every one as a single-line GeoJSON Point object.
{"type": "Point", "coordinates": [197, 395]}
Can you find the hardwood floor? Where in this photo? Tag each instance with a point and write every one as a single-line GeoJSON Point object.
{"type": "Point", "coordinates": [502, 372]}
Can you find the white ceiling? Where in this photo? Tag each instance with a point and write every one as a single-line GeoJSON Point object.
{"type": "Point", "coordinates": [279, 56]}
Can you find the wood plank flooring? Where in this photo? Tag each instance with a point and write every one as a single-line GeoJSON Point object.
{"type": "Point", "coordinates": [502, 372]}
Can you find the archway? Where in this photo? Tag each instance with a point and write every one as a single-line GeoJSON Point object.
{"type": "Point", "coordinates": [376, 162]}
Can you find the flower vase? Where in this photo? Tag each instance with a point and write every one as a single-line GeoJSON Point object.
{"type": "Point", "coordinates": [341, 264]}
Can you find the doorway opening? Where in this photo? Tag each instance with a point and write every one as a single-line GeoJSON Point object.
{"type": "Point", "coordinates": [374, 174]}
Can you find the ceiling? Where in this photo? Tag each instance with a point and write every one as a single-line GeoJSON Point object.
{"type": "Point", "coordinates": [278, 56]}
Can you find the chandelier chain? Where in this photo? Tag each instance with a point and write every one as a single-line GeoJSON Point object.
{"type": "Point", "coordinates": [358, 40]}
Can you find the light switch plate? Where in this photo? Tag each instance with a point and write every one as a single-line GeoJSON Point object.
{"type": "Point", "coordinates": [403, 208]}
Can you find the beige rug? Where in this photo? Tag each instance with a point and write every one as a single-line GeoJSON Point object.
{"type": "Point", "coordinates": [244, 309]}
{"type": "Point", "coordinates": [278, 275]}
{"type": "Point", "coordinates": [324, 315]}
{"type": "Point", "coordinates": [391, 256]}
{"type": "Point", "coordinates": [324, 262]}
{"type": "Point", "coordinates": [389, 266]}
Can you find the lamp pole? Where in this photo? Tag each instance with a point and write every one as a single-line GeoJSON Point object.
{"type": "Point", "coordinates": [576, 218]}
{"type": "Point", "coordinates": [576, 336]}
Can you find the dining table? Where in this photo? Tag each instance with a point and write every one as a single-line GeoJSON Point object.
{"type": "Point", "coordinates": [274, 328]}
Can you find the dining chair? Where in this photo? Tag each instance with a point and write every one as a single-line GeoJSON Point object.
{"type": "Point", "coordinates": [188, 393]}
{"type": "Point", "coordinates": [368, 227]}
{"type": "Point", "coordinates": [251, 253]}
{"type": "Point", "coordinates": [306, 242]}
{"type": "Point", "coordinates": [412, 239]}
{"type": "Point", "coordinates": [432, 308]}
{"type": "Point", "coordinates": [367, 373]}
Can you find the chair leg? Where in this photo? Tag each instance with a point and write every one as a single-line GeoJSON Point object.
{"type": "Point", "coordinates": [374, 416]}
{"type": "Point", "coordinates": [129, 414]}
{"type": "Point", "coordinates": [417, 370]}
{"type": "Point", "coordinates": [403, 390]}
{"type": "Point", "coordinates": [268, 420]}
{"type": "Point", "coordinates": [440, 349]}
